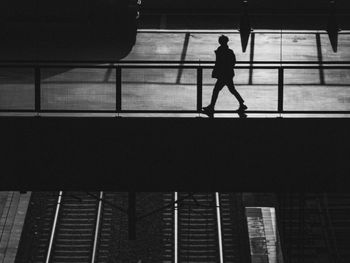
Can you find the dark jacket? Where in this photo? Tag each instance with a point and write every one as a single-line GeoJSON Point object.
{"type": "Point", "coordinates": [225, 61]}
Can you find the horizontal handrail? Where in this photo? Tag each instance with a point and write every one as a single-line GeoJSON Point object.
{"type": "Point", "coordinates": [38, 67]}
{"type": "Point", "coordinates": [166, 66]}
{"type": "Point", "coordinates": [70, 63]}
{"type": "Point", "coordinates": [174, 111]}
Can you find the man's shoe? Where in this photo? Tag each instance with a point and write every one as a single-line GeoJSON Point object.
{"type": "Point", "coordinates": [242, 114]}
{"type": "Point", "coordinates": [242, 107]}
{"type": "Point", "coordinates": [208, 111]}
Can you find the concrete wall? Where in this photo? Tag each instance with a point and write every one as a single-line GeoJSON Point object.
{"type": "Point", "coordinates": [186, 154]}
{"type": "Point", "coordinates": [64, 9]}
{"type": "Point", "coordinates": [66, 30]}
{"type": "Point", "coordinates": [254, 5]}
{"type": "Point", "coordinates": [80, 8]}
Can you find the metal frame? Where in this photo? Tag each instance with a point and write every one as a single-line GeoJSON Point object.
{"type": "Point", "coordinates": [197, 65]}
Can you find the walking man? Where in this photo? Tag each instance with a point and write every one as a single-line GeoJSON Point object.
{"type": "Point", "coordinates": [224, 73]}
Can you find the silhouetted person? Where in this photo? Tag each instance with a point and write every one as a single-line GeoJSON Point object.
{"type": "Point", "coordinates": [224, 73]}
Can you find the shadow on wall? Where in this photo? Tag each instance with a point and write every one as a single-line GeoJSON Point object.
{"type": "Point", "coordinates": [257, 6]}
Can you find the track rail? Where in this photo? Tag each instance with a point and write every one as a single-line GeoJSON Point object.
{"type": "Point", "coordinates": [49, 250]}
{"type": "Point", "coordinates": [75, 228]}
{"type": "Point", "coordinates": [97, 228]}
{"type": "Point", "coordinates": [192, 227]}
{"type": "Point", "coordinates": [207, 229]}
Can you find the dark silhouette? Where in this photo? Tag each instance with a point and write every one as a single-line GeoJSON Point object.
{"type": "Point", "coordinates": [224, 73]}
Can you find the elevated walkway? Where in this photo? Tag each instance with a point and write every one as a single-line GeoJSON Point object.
{"type": "Point", "coordinates": [168, 75]}
{"type": "Point", "coordinates": [172, 87]}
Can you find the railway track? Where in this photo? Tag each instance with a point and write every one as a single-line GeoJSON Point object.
{"type": "Point", "coordinates": [65, 228]}
{"type": "Point", "coordinates": [80, 227]}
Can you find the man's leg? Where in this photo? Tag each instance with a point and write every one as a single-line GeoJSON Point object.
{"type": "Point", "coordinates": [217, 88]}
{"type": "Point", "coordinates": [233, 90]}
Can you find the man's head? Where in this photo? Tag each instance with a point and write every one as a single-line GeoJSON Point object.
{"type": "Point", "coordinates": [223, 40]}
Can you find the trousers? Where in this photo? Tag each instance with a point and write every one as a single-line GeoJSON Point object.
{"type": "Point", "coordinates": [220, 83]}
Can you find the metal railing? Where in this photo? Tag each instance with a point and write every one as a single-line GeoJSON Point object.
{"type": "Point", "coordinates": [199, 66]}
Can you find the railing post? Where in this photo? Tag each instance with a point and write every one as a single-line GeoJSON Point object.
{"type": "Point", "coordinates": [118, 93]}
{"type": "Point", "coordinates": [199, 89]}
{"type": "Point", "coordinates": [37, 82]}
{"type": "Point", "coordinates": [280, 89]}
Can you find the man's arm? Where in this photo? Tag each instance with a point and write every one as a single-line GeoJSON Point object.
{"type": "Point", "coordinates": [216, 58]}
{"type": "Point", "coordinates": [233, 59]}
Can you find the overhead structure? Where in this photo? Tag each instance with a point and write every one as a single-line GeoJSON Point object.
{"type": "Point", "coordinates": [333, 27]}
{"type": "Point", "coordinates": [244, 26]}
{"type": "Point", "coordinates": [67, 30]}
